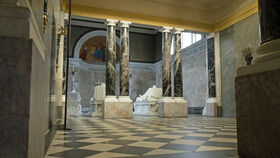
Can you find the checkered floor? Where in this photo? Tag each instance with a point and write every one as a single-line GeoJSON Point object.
{"type": "Point", "coordinates": [193, 137]}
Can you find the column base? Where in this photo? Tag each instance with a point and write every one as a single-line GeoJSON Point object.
{"type": "Point", "coordinates": [173, 107]}
{"type": "Point", "coordinates": [210, 108]}
{"type": "Point", "coordinates": [268, 51]}
{"type": "Point", "coordinates": [117, 108]}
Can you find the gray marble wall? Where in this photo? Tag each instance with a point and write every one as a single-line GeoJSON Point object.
{"type": "Point", "coordinates": [53, 76]}
{"type": "Point", "coordinates": [143, 76]}
{"type": "Point", "coordinates": [232, 41]}
{"type": "Point", "coordinates": [15, 96]}
{"type": "Point", "coordinates": [195, 76]}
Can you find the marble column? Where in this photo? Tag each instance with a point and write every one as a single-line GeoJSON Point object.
{"type": "Point", "coordinates": [257, 91]}
{"type": "Point", "coordinates": [166, 62]}
{"type": "Point", "coordinates": [178, 78]}
{"type": "Point", "coordinates": [113, 107]}
{"type": "Point", "coordinates": [124, 63]}
{"type": "Point", "coordinates": [111, 58]}
{"type": "Point", "coordinates": [211, 68]}
{"type": "Point", "coordinates": [171, 106]}
{"type": "Point", "coordinates": [210, 108]}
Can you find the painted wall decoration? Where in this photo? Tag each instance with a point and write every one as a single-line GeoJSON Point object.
{"type": "Point", "coordinates": [94, 49]}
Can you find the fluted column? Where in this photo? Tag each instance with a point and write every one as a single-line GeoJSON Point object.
{"type": "Point", "coordinates": [124, 63]}
{"type": "Point", "coordinates": [111, 58]}
{"type": "Point", "coordinates": [178, 82]}
{"type": "Point", "coordinates": [166, 62]}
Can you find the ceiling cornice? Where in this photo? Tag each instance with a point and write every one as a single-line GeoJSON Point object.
{"type": "Point", "coordinates": [101, 13]}
{"type": "Point", "coordinates": [236, 17]}
{"type": "Point", "coordinates": [239, 14]}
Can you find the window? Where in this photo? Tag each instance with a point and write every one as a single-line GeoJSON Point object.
{"type": "Point", "coordinates": [188, 39]}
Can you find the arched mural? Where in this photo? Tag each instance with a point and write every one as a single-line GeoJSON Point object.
{"type": "Point", "coordinates": [92, 47]}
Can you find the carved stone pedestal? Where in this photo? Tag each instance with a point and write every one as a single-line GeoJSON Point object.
{"type": "Point", "coordinates": [210, 108]}
{"type": "Point", "coordinates": [117, 108]}
{"type": "Point", "coordinates": [258, 105]}
{"type": "Point", "coordinates": [173, 107]}
{"type": "Point", "coordinates": [257, 112]}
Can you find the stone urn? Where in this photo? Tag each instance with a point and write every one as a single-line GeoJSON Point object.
{"type": "Point", "coordinates": [249, 58]}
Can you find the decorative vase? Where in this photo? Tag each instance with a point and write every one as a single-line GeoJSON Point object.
{"type": "Point", "coordinates": [249, 58]}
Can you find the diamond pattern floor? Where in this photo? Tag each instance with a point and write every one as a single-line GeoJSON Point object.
{"type": "Point", "coordinates": [146, 136]}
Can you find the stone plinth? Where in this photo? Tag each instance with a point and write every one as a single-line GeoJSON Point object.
{"type": "Point", "coordinates": [173, 107]}
{"type": "Point", "coordinates": [210, 108]}
{"type": "Point", "coordinates": [258, 114]}
{"type": "Point", "coordinates": [117, 108]}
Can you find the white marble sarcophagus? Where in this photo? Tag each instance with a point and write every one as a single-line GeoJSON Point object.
{"type": "Point", "coordinates": [148, 102]}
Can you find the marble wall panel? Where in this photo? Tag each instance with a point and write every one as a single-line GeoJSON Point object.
{"type": "Point", "coordinates": [15, 78]}
{"type": "Point", "coordinates": [195, 75]}
{"type": "Point", "coordinates": [246, 35]}
{"type": "Point", "coordinates": [232, 41]}
{"type": "Point", "coordinates": [37, 107]}
{"type": "Point", "coordinates": [52, 77]}
{"type": "Point", "coordinates": [228, 70]}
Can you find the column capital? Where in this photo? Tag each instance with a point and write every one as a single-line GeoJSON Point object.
{"type": "Point", "coordinates": [124, 23]}
{"type": "Point", "coordinates": [178, 30]}
{"type": "Point", "coordinates": [166, 29]}
{"type": "Point", "coordinates": [211, 35]}
{"type": "Point", "coordinates": [111, 22]}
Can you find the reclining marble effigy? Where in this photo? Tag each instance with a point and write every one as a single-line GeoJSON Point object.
{"type": "Point", "coordinates": [148, 102]}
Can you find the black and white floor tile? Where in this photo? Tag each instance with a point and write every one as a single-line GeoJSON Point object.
{"type": "Point", "coordinates": [149, 137]}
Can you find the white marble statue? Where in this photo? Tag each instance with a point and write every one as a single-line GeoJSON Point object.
{"type": "Point", "coordinates": [147, 103]}
{"type": "Point", "coordinates": [97, 99]}
{"type": "Point", "coordinates": [74, 103]}
{"type": "Point", "coordinates": [99, 93]}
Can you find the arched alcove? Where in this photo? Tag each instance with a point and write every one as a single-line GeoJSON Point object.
{"type": "Point", "coordinates": [92, 45]}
